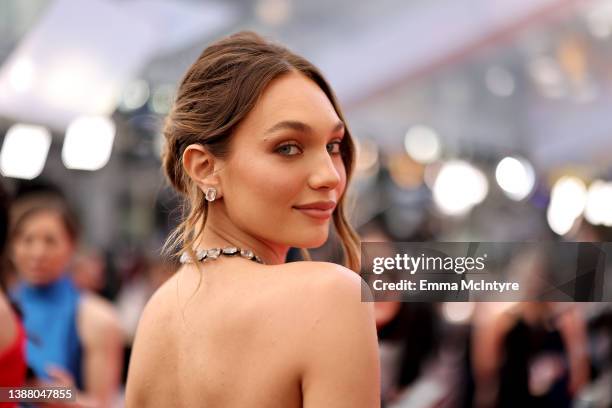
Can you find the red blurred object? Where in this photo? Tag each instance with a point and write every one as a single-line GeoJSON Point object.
{"type": "Point", "coordinates": [12, 363]}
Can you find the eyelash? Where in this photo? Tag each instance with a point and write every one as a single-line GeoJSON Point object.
{"type": "Point", "coordinates": [336, 142]}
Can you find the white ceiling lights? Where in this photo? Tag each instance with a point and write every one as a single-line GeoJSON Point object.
{"type": "Point", "coordinates": [88, 143]}
{"type": "Point", "coordinates": [21, 75]}
{"type": "Point", "coordinates": [24, 151]}
{"type": "Point", "coordinates": [81, 54]}
{"type": "Point", "coordinates": [72, 64]}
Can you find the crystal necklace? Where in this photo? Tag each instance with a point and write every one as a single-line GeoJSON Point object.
{"type": "Point", "coordinates": [214, 253]}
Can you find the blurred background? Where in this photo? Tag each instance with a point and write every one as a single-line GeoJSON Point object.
{"type": "Point", "coordinates": [475, 120]}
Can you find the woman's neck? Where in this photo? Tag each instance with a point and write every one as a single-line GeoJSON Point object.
{"type": "Point", "coordinates": [219, 232]}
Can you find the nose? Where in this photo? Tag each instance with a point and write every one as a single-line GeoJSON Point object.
{"type": "Point", "coordinates": [325, 174]}
{"type": "Point", "coordinates": [37, 250]}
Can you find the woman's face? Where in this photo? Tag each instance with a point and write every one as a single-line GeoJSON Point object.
{"type": "Point", "coordinates": [42, 248]}
{"type": "Point", "coordinates": [285, 154]}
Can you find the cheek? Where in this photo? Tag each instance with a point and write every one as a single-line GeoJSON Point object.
{"type": "Point", "coordinates": [265, 185]}
{"type": "Point", "coordinates": [19, 251]}
{"type": "Point", "coordinates": [61, 253]}
{"type": "Point", "coordinates": [260, 198]}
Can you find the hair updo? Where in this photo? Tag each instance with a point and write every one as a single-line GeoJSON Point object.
{"type": "Point", "coordinates": [215, 95]}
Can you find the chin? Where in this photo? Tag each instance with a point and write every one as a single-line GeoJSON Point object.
{"type": "Point", "coordinates": [313, 240]}
{"type": "Point", "coordinates": [39, 279]}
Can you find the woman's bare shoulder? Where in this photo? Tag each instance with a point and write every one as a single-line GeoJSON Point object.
{"type": "Point", "coordinates": [162, 304]}
{"type": "Point", "coordinates": [325, 286]}
{"type": "Point", "coordinates": [308, 287]}
{"type": "Point", "coordinates": [338, 352]}
{"type": "Point", "coordinates": [296, 282]}
{"type": "Point", "coordinates": [323, 273]}
{"type": "Point", "coordinates": [150, 351]}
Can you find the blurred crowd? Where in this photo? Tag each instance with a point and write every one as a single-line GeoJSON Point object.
{"type": "Point", "coordinates": [495, 354]}
{"type": "Point", "coordinates": [66, 320]}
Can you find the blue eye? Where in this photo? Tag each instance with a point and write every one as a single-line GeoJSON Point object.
{"type": "Point", "coordinates": [333, 147]}
{"type": "Point", "coordinates": [288, 150]}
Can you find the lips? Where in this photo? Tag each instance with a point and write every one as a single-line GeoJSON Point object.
{"type": "Point", "coordinates": [319, 210]}
{"type": "Point", "coordinates": [319, 205]}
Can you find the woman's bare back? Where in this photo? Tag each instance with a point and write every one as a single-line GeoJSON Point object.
{"type": "Point", "coordinates": [236, 338]}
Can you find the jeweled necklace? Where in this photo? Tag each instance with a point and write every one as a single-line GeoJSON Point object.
{"type": "Point", "coordinates": [214, 253]}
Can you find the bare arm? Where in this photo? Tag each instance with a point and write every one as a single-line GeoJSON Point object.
{"type": "Point", "coordinates": [7, 322]}
{"type": "Point", "coordinates": [102, 339]}
{"type": "Point", "coordinates": [573, 330]}
{"type": "Point", "coordinates": [341, 359]}
{"type": "Point", "coordinates": [486, 349]}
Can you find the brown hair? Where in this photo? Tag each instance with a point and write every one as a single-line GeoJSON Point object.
{"type": "Point", "coordinates": [35, 203]}
{"type": "Point", "coordinates": [215, 95]}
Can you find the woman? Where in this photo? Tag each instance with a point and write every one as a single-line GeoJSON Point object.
{"type": "Point", "coordinates": [532, 353]}
{"type": "Point", "coordinates": [73, 338]}
{"type": "Point", "coordinates": [257, 143]}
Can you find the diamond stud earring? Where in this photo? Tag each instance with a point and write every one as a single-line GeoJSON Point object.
{"type": "Point", "coordinates": [211, 194]}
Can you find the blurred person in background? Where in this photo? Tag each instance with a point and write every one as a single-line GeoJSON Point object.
{"type": "Point", "coordinates": [12, 335]}
{"type": "Point", "coordinates": [408, 332]}
{"type": "Point", "coordinates": [74, 338]}
{"type": "Point", "coordinates": [257, 143]}
{"type": "Point", "coordinates": [529, 354]}
{"type": "Point", "coordinates": [600, 317]}
{"type": "Point", "coordinates": [409, 339]}
{"type": "Point", "coordinates": [88, 270]}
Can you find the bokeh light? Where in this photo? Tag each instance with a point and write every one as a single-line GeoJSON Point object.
{"type": "Point", "coordinates": [88, 143]}
{"type": "Point", "coordinates": [24, 151]}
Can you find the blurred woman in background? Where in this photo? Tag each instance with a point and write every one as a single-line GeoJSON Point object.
{"type": "Point", "coordinates": [74, 338]}
{"type": "Point", "coordinates": [258, 145]}
{"type": "Point", "coordinates": [530, 354]}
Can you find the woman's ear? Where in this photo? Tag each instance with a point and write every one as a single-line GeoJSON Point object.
{"type": "Point", "coordinates": [199, 165]}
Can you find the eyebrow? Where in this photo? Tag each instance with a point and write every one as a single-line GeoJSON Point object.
{"type": "Point", "coordinates": [299, 126]}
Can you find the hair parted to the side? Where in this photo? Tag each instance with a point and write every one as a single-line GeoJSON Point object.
{"type": "Point", "coordinates": [215, 95]}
